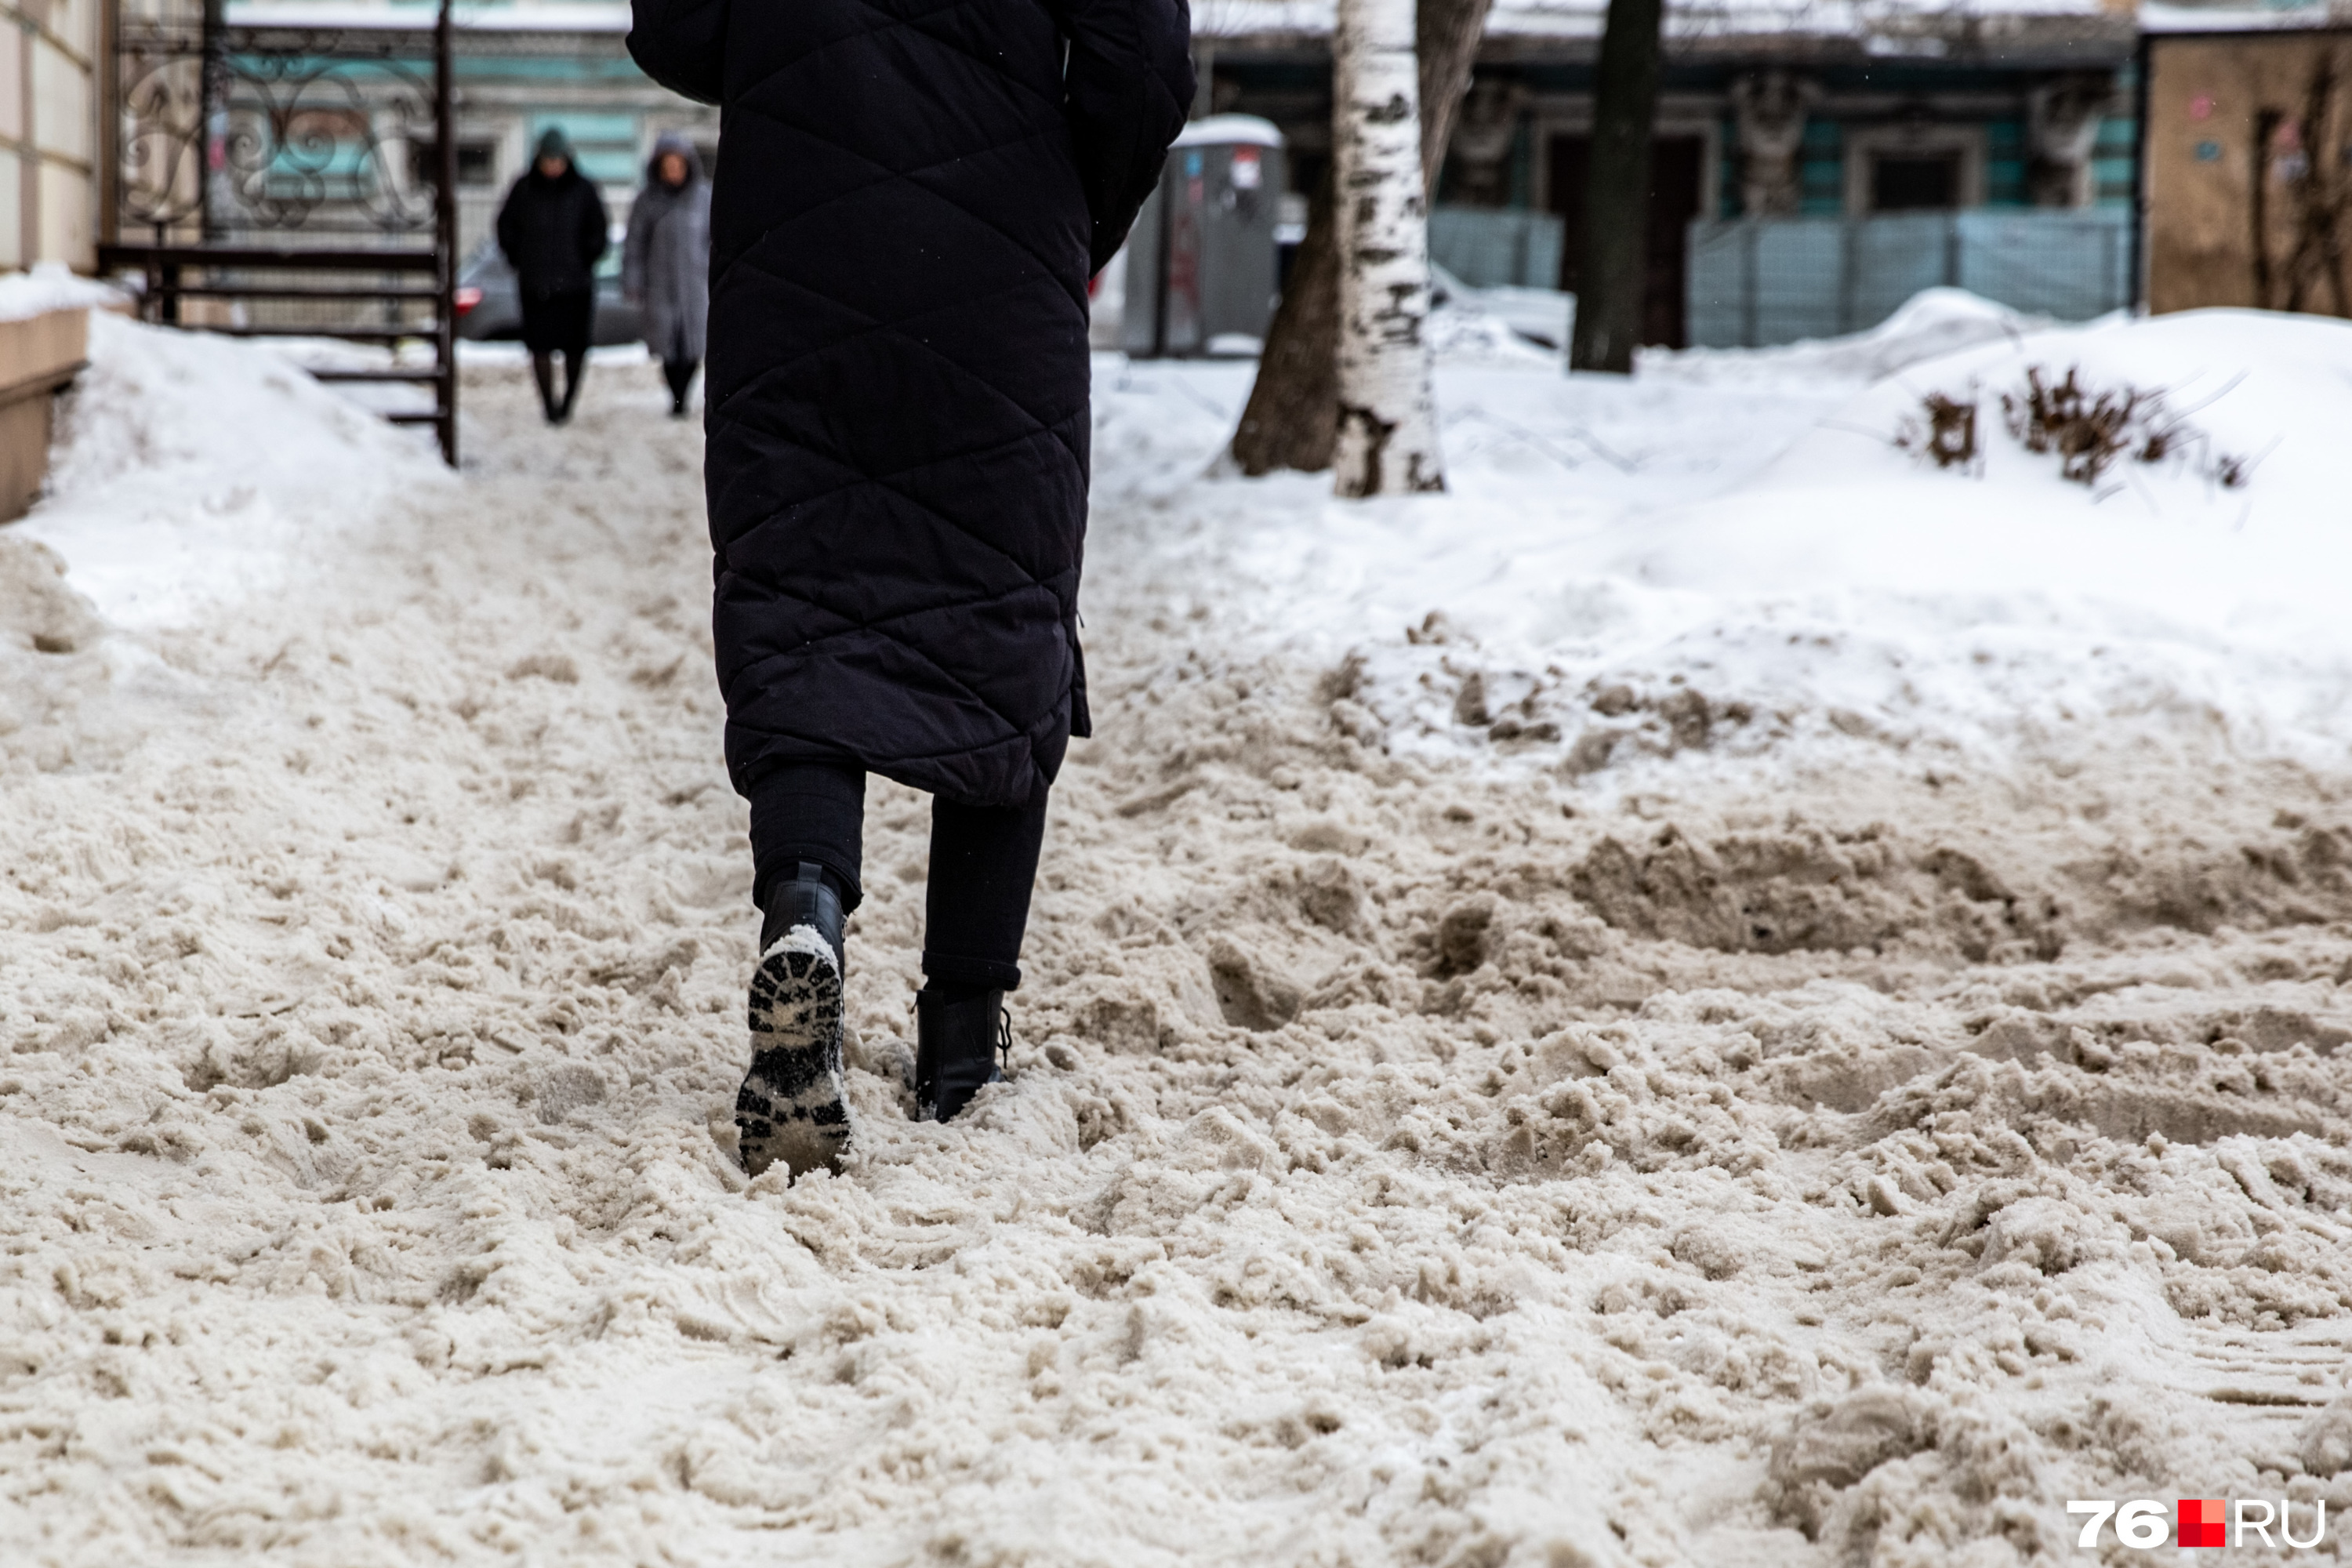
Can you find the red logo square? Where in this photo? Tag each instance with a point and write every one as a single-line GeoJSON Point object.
{"type": "Point", "coordinates": [2200, 1522]}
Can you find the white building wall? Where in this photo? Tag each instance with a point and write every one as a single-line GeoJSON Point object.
{"type": "Point", "coordinates": [48, 132]}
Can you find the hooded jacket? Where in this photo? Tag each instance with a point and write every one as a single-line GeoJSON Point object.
{"type": "Point", "coordinates": [911, 196]}
{"type": "Point", "coordinates": [666, 262]}
{"type": "Point", "coordinates": [553, 231]}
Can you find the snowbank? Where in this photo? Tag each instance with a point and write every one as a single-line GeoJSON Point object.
{"type": "Point", "coordinates": [2240, 522]}
{"type": "Point", "coordinates": [1931, 324]}
{"type": "Point", "coordinates": [190, 470]}
{"type": "Point", "coordinates": [52, 286]}
{"type": "Point", "coordinates": [1733, 556]}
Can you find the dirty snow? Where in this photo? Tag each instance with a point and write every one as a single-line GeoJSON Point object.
{"type": "Point", "coordinates": [1841, 1131]}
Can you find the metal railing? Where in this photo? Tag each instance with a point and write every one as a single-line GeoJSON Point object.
{"type": "Point", "coordinates": [281, 181]}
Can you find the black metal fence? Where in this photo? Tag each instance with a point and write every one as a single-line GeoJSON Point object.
{"type": "Point", "coordinates": [292, 182]}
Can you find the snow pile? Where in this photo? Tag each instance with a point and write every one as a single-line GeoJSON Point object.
{"type": "Point", "coordinates": [1463, 328]}
{"type": "Point", "coordinates": [2265, 397]}
{"type": "Point", "coordinates": [1783, 579]}
{"type": "Point", "coordinates": [1501, 324]}
{"type": "Point", "coordinates": [1931, 324]}
{"type": "Point", "coordinates": [191, 470]}
{"type": "Point", "coordinates": [52, 286]}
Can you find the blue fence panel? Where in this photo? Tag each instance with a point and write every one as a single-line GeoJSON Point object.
{"type": "Point", "coordinates": [1490, 248]}
{"type": "Point", "coordinates": [1798, 266]}
{"type": "Point", "coordinates": [1756, 282]}
{"type": "Point", "coordinates": [2072, 266]}
{"type": "Point", "coordinates": [1893, 259]}
{"type": "Point", "coordinates": [1717, 295]}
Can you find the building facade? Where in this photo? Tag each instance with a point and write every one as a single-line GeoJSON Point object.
{"type": "Point", "coordinates": [1815, 160]}
{"type": "Point", "coordinates": [522, 67]}
{"type": "Point", "coordinates": [49, 51]}
{"type": "Point", "coordinates": [1831, 116]}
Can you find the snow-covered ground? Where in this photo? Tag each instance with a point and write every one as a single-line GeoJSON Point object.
{"type": "Point", "coordinates": [1719, 994]}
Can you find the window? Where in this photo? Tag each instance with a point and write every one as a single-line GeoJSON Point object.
{"type": "Point", "coordinates": [477, 162]}
{"type": "Point", "coordinates": [1901, 182]}
{"type": "Point", "coordinates": [1915, 166]}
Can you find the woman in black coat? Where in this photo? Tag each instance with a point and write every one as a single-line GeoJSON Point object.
{"type": "Point", "coordinates": [552, 229]}
{"type": "Point", "coordinates": [910, 200]}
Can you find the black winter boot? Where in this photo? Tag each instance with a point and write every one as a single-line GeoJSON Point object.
{"type": "Point", "coordinates": [679, 375]}
{"type": "Point", "coordinates": [791, 1107]}
{"type": "Point", "coordinates": [956, 1047]}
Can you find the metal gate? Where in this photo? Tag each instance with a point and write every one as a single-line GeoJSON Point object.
{"type": "Point", "coordinates": [291, 182]}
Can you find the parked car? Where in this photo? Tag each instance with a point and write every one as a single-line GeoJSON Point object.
{"type": "Point", "coordinates": [488, 306]}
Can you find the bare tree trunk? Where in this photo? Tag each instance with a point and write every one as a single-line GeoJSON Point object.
{"type": "Point", "coordinates": [1617, 207]}
{"type": "Point", "coordinates": [2258, 217]}
{"type": "Point", "coordinates": [1446, 36]}
{"type": "Point", "coordinates": [1293, 417]}
{"type": "Point", "coordinates": [1293, 413]}
{"type": "Point", "coordinates": [1388, 409]}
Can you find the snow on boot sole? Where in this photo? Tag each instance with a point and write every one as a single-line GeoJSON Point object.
{"type": "Point", "coordinates": [791, 1108]}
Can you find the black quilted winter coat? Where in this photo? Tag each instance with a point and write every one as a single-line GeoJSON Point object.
{"type": "Point", "coordinates": [552, 232]}
{"type": "Point", "coordinates": [911, 197]}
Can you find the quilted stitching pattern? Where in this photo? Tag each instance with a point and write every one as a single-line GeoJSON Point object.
{"type": "Point", "coordinates": [911, 197]}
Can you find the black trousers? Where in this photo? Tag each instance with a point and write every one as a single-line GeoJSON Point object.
{"type": "Point", "coordinates": [557, 321]}
{"type": "Point", "coordinates": [983, 866]}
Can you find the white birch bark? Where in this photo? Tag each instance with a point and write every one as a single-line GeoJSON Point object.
{"type": "Point", "coordinates": [1388, 413]}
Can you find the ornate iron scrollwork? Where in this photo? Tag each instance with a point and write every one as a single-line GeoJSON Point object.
{"type": "Point", "coordinates": [293, 183]}
{"type": "Point", "coordinates": [252, 133]}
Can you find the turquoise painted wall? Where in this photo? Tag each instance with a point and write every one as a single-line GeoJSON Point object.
{"type": "Point", "coordinates": [2005, 164]}
{"type": "Point", "coordinates": [1822, 172]}
{"type": "Point", "coordinates": [1821, 179]}
{"type": "Point", "coordinates": [604, 143]}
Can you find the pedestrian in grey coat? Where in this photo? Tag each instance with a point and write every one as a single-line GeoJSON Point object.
{"type": "Point", "coordinates": [665, 264]}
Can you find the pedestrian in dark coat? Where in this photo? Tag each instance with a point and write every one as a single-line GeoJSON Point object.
{"type": "Point", "coordinates": [909, 201]}
{"type": "Point", "coordinates": [552, 229]}
{"type": "Point", "coordinates": [666, 262]}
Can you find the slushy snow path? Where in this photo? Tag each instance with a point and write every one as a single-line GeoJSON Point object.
{"type": "Point", "coordinates": [1787, 1132]}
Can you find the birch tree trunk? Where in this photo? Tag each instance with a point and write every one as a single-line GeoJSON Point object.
{"type": "Point", "coordinates": [1387, 439]}
{"type": "Point", "coordinates": [1292, 418]}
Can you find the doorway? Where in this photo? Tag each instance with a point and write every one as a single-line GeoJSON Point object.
{"type": "Point", "coordinates": [1910, 183]}
{"type": "Point", "coordinates": [1676, 164]}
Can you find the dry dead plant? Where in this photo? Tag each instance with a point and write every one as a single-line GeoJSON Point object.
{"type": "Point", "coordinates": [1947, 438]}
{"type": "Point", "coordinates": [2089, 428]}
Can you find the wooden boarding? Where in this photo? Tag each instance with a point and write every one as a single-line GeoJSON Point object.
{"type": "Point", "coordinates": [2249, 171]}
{"type": "Point", "coordinates": [39, 356]}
